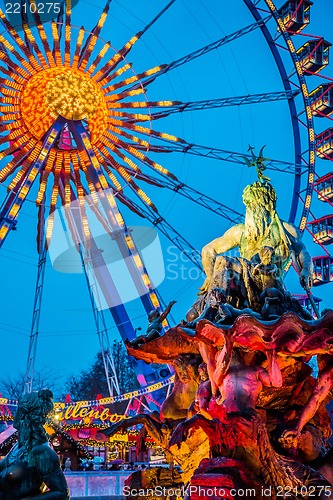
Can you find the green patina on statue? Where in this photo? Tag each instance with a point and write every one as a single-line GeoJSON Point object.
{"type": "Point", "coordinates": [31, 470]}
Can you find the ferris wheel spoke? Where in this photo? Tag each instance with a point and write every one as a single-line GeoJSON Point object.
{"type": "Point", "coordinates": [41, 32]}
{"type": "Point", "coordinates": [92, 38]}
{"type": "Point", "coordinates": [24, 182]}
{"type": "Point", "coordinates": [12, 66]}
{"type": "Point", "coordinates": [24, 47]}
{"type": "Point", "coordinates": [111, 65]}
{"type": "Point", "coordinates": [180, 107]}
{"type": "Point", "coordinates": [56, 34]}
{"type": "Point", "coordinates": [196, 196]}
{"type": "Point", "coordinates": [165, 68]}
{"type": "Point", "coordinates": [224, 155]}
{"type": "Point", "coordinates": [179, 145]}
{"type": "Point", "coordinates": [68, 27]}
{"type": "Point", "coordinates": [170, 232]}
{"type": "Point", "coordinates": [32, 43]}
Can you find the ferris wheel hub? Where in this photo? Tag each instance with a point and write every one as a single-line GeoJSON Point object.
{"type": "Point", "coordinates": [65, 92]}
{"type": "Point", "coordinates": [72, 96]}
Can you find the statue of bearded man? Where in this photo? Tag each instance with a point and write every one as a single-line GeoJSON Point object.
{"type": "Point", "coordinates": [262, 227]}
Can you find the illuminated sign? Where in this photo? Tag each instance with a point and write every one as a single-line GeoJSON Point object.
{"type": "Point", "coordinates": [77, 411]}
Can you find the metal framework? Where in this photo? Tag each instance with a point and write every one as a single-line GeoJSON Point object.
{"type": "Point", "coordinates": [101, 328]}
{"type": "Point", "coordinates": [34, 332]}
{"type": "Point", "coordinates": [181, 107]}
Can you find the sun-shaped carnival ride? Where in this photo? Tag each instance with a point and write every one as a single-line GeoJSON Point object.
{"type": "Point", "coordinates": [76, 121]}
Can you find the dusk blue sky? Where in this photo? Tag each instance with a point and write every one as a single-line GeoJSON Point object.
{"type": "Point", "coordinates": [68, 340]}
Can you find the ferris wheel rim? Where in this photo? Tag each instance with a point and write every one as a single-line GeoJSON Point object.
{"type": "Point", "coordinates": [296, 199]}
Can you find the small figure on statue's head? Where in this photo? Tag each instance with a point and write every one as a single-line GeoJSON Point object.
{"type": "Point", "coordinates": [258, 163]}
{"type": "Point", "coordinates": [154, 330]}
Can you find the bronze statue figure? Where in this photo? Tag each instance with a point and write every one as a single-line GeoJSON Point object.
{"type": "Point", "coordinates": [155, 320]}
{"type": "Point", "coordinates": [31, 470]}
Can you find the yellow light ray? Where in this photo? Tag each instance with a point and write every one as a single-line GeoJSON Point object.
{"type": "Point", "coordinates": [44, 176]}
{"type": "Point", "coordinates": [132, 79]}
{"type": "Point", "coordinates": [35, 46]}
{"type": "Point", "coordinates": [78, 46]}
{"type": "Point", "coordinates": [14, 52]}
{"type": "Point", "coordinates": [19, 41]}
{"type": "Point", "coordinates": [20, 142]}
{"type": "Point", "coordinates": [13, 86]}
{"type": "Point", "coordinates": [91, 186]}
{"type": "Point", "coordinates": [56, 44]}
{"type": "Point", "coordinates": [10, 109]}
{"type": "Point", "coordinates": [13, 136]}
{"type": "Point", "coordinates": [133, 138]}
{"type": "Point", "coordinates": [43, 37]}
{"type": "Point", "coordinates": [112, 64]}
{"type": "Point", "coordinates": [27, 163]}
{"type": "Point", "coordinates": [7, 118]}
{"type": "Point", "coordinates": [102, 162]}
{"type": "Point", "coordinates": [149, 131]}
{"type": "Point", "coordinates": [79, 187]}
{"type": "Point", "coordinates": [145, 198]}
{"type": "Point", "coordinates": [68, 33]}
{"type": "Point", "coordinates": [91, 42]}
{"type": "Point", "coordinates": [110, 158]}
{"type": "Point", "coordinates": [17, 79]}
{"type": "Point", "coordinates": [116, 151]}
{"type": "Point", "coordinates": [118, 72]}
{"type": "Point", "coordinates": [18, 124]}
{"type": "Point", "coordinates": [143, 158]}
{"type": "Point", "coordinates": [9, 100]}
{"type": "Point", "coordinates": [13, 165]}
{"type": "Point", "coordinates": [123, 95]}
{"type": "Point", "coordinates": [49, 227]}
{"type": "Point", "coordinates": [67, 169]}
{"type": "Point", "coordinates": [139, 117]}
{"type": "Point", "coordinates": [117, 166]}
{"type": "Point", "coordinates": [9, 126]}
{"type": "Point", "coordinates": [11, 64]}
{"type": "Point", "coordinates": [127, 147]}
{"type": "Point", "coordinates": [23, 193]}
{"type": "Point", "coordinates": [102, 181]}
{"type": "Point", "coordinates": [84, 221]}
{"type": "Point", "coordinates": [54, 196]}
{"type": "Point", "coordinates": [146, 104]}
{"type": "Point", "coordinates": [113, 178]}
{"type": "Point", "coordinates": [98, 59]}
{"type": "Point", "coordinates": [21, 173]}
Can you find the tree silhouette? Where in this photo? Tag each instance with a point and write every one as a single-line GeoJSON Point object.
{"type": "Point", "coordinates": [92, 382]}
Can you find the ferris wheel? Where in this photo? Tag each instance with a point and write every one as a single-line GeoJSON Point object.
{"type": "Point", "coordinates": [79, 127]}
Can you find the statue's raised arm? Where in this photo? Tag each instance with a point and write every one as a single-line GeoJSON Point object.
{"type": "Point", "coordinates": [229, 240]}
